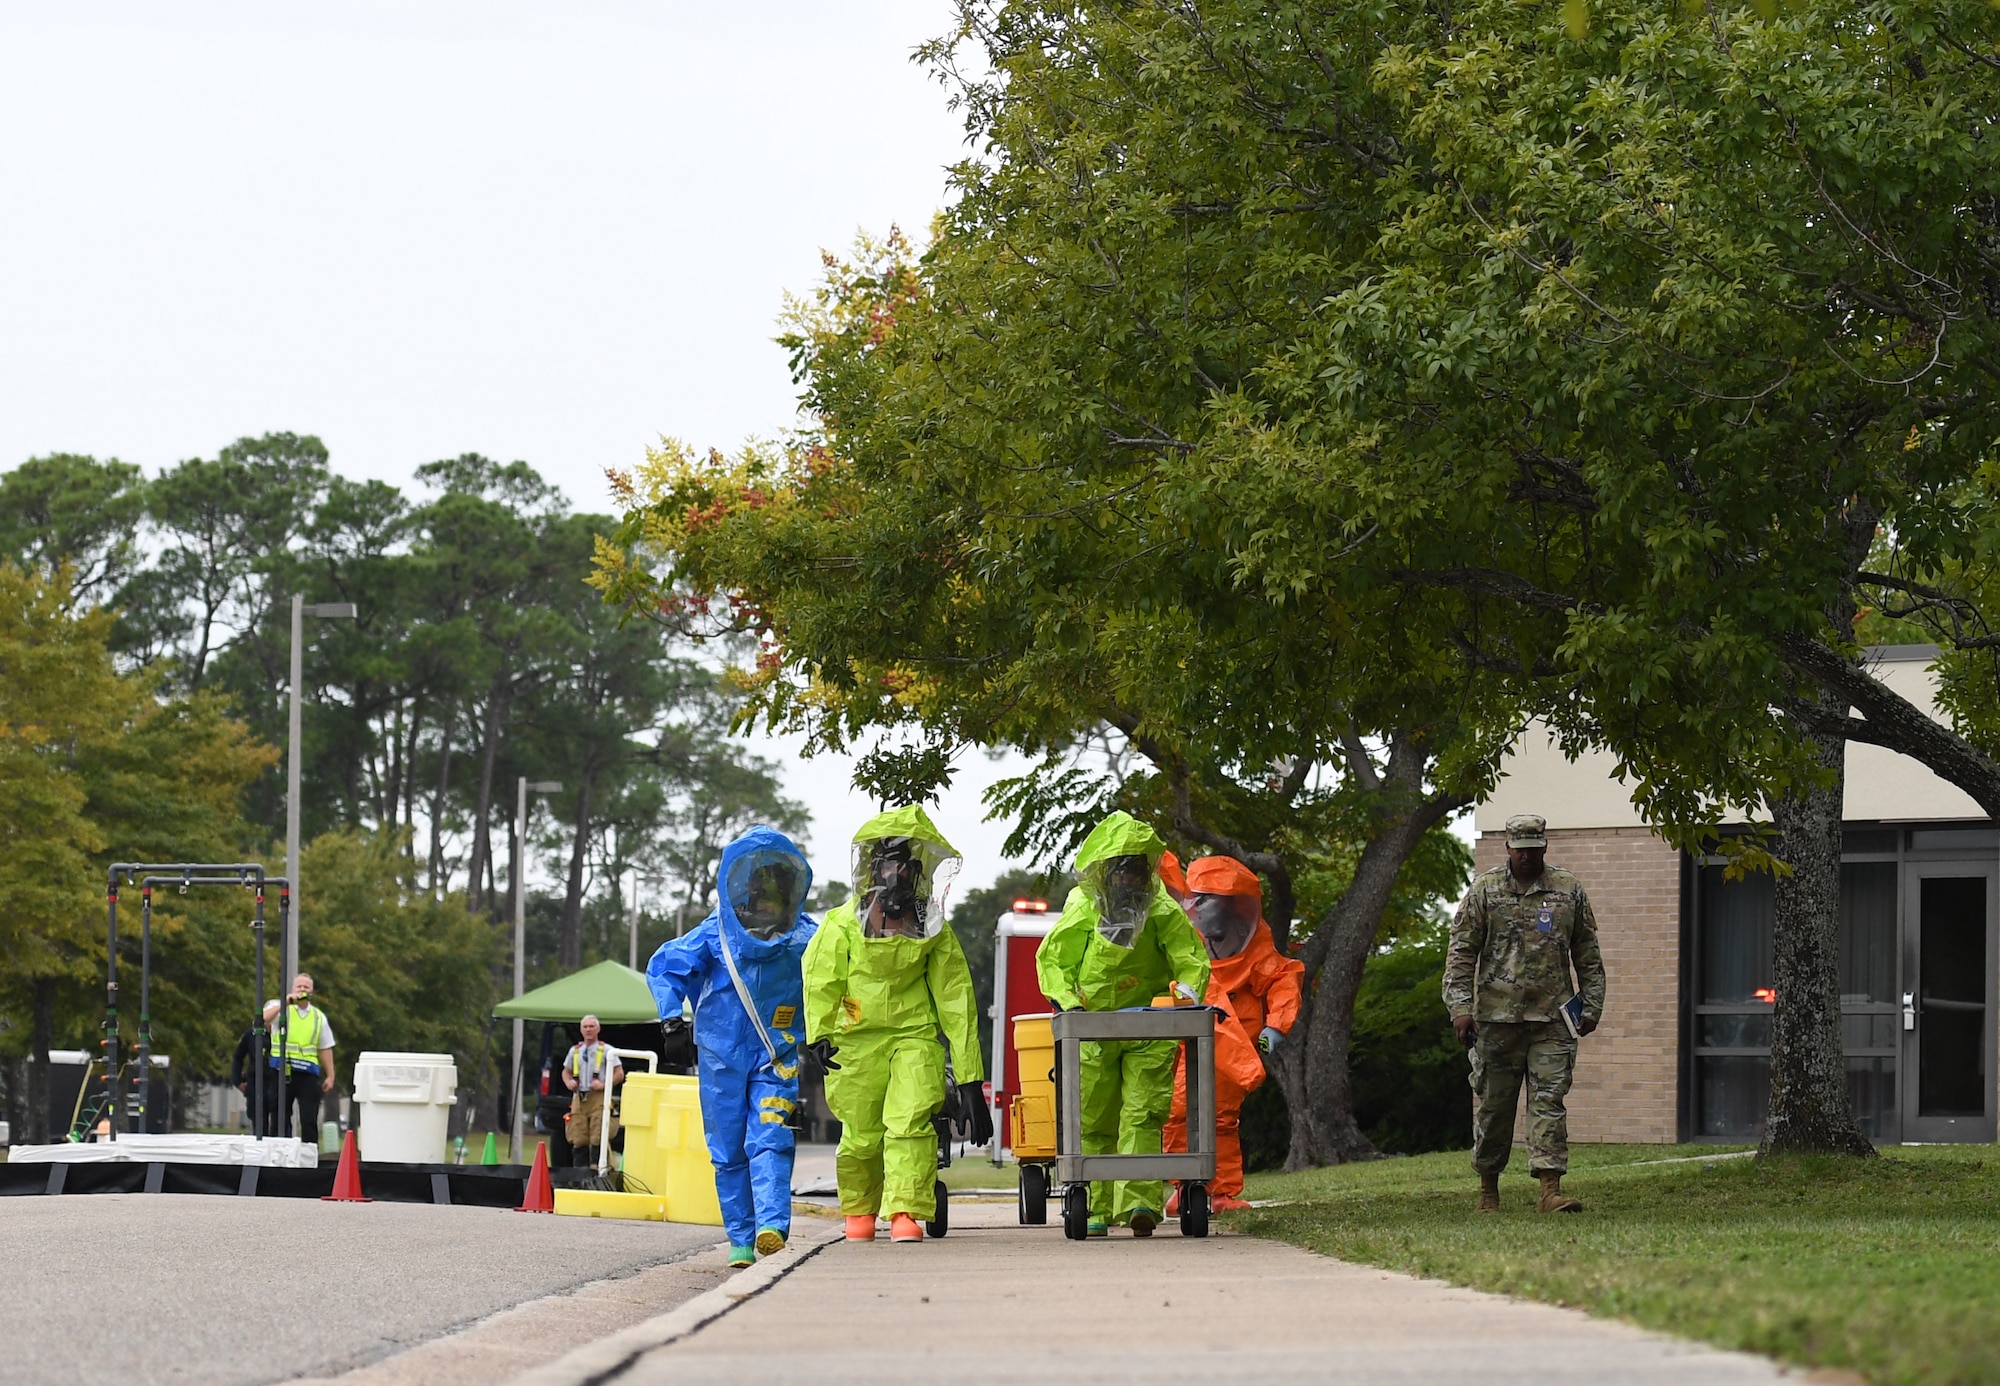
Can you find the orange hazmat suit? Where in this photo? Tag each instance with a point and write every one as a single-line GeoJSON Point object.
{"type": "Point", "coordinates": [1256, 987]}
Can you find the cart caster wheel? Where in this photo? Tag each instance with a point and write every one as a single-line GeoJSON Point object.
{"type": "Point", "coordinates": [940, 1224]}
{"type": "Point", "coordinates": [1076, 1212]}
{"type": "Point", "coordinates": [1194, 1210]}
{"type": "Point", "coordinates": [1034, 1195]}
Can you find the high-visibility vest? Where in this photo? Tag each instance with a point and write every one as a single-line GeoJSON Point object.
{"type": "Point", "coordinates": [301, 1035]}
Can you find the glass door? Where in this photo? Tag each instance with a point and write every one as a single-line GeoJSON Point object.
{"type": "Point", "coordinates": [1948, 1002]}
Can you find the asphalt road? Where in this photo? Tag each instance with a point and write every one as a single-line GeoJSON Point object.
{"type": "Point", "coordinates": [184, 1288]}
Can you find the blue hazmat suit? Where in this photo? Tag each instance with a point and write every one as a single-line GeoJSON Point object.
{"type": "Point", "coordinates": [748, 1095]}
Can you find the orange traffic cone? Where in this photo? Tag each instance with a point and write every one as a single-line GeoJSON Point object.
{"type": "Point", "coordinates": [347, 1178]}
{"type": "Point", "coordinates": [541, 1195]}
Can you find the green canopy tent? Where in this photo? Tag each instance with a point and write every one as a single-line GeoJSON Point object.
{"type": "Point", "coordinates": [609, 990]}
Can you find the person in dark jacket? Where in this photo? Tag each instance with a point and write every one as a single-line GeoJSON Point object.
{"type": "Point", "coordinates": [242, 1076]}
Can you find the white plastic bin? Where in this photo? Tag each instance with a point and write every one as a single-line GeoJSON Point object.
{"type": "Point", "coordinates": [403, 1104]}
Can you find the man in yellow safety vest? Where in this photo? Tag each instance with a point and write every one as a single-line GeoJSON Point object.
{"type": "Point", "coordinates": [302, 1055]}
{"type": "Point", "coordinates": [590, 1071]}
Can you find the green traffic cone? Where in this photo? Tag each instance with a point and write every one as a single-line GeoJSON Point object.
{"type": "Point", "coordinates": [491, 1155]}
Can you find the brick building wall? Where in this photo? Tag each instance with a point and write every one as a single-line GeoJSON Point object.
{"type": "Point", "coordinates": [1627, 1080]}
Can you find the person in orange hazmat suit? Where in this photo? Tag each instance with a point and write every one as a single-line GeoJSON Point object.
{"type": "Point", "coordinates": [1253, 984]}
{"type": "Point", "coordinates": [1173, 878]}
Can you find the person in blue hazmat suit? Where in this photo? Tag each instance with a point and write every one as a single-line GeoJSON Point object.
{"type": "Point", "coordinates": [742, 968]}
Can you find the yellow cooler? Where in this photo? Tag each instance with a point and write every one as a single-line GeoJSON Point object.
{"type": "Point", "coordinates": [666, 1154]}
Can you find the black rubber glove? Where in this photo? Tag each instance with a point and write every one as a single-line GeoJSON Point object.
{"type": "Point", "coordinates": [676, 1041]}
{"type": "Point", "coordinates": [975, 1118]}
{"type": "Point", "coordinates": [819, 1057]}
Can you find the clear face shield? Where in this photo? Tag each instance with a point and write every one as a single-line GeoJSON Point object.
{"type": "Point", "coordinates": [766, 890]}
{"type": "Point", "coordinates": [1225, 922]}
{"type": "Point", "coordinates": [1123, 889]}
{"type": "Point", "coordinates": [901, 884]}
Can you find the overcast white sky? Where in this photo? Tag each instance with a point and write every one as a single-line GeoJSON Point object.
{"type": "Point", "coordinates": [533, 231]}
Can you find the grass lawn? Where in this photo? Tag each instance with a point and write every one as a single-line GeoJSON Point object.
{"type": "Point", "coordinates": [1889, 1267]}
{"type": "Point", "coordinates": [977, 1172]}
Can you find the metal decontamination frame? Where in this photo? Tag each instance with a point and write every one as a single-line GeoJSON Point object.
{"type": "Point", "coordinates": [1194, 1028]}
{"type": "Point", "coordinates": [181, 875]}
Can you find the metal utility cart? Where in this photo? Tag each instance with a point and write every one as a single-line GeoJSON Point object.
{"type": "Point", "coordinates": [1194, 1027]}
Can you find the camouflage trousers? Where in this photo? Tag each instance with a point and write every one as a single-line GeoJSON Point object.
{"type": "Point", "coordinates": [1543, 1052]}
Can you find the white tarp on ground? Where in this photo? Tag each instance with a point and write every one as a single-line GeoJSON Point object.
{"type": "Point", "coordinates": [188, 1148]}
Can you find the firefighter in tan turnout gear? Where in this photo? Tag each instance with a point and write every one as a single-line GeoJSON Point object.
{"type": "Point", "coordinates": [1520, 933]}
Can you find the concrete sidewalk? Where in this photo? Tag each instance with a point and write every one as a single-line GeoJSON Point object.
{"type": "Point", "coordinates": [1014, 1304]}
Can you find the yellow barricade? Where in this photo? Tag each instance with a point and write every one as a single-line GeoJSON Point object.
{"type": "Point", "coordinates": [666, 1153]}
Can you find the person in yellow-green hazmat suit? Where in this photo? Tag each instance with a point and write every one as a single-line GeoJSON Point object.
{"type": "Point", "coordinates": [883, 977]}
{"type": "Point", "coordinates": [1121, 941]}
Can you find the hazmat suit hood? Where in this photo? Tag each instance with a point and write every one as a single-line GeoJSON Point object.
{"type": "Point", "coordinates": [761, 889]}
{"type": "Point", "coordinates": [1226, 902]}
{"type": "Point", "coordinates": [903, 874]}
{"type": "Point", "coordinates": [1118, 867]}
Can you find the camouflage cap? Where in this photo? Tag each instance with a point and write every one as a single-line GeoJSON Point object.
{"type": "Point", "coordinates": [1527, 830]}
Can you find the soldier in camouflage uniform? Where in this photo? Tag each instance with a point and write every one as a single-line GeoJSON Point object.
{"type": "Point", "coordinates": [1519, 933]}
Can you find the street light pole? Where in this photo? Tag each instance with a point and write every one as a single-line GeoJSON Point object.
{"type": "Point", "coordinates": [638, 879]}
{"type": "Point", "coordinates": [521, 932]}
{"type": "Point", "coordinates": [300, 610]}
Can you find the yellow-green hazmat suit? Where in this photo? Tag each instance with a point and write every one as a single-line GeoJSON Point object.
{"type": "Point", "coordinates": [884, 976]}
{"type": "Point", "coordinates": [1128, 1085]}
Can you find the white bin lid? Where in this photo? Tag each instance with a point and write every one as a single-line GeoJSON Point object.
{"type": "Point", "coordinates": [385, 1056]}
{"type": "Point", "coordinates": [387, 1076]}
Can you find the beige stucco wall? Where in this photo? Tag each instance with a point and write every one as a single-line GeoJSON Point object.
{"type": "Point", "coordinates": [1583, 793]}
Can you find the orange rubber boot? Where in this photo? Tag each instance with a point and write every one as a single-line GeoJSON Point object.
{"type": "Point", "coordinates": [904, 1228]}
{"type": "Point", "coordinates": [861, 1227]}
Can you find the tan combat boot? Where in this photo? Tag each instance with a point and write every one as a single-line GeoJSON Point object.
{"type": "Point", "coordinates": [1554, 1200]}
{"type": "Point", "coordinates": [1489, 1191]}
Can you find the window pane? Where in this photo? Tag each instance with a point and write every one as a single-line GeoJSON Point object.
{"type": "Point", "coordinates": [1735, 1032]}
{"type": "Point", "coordinates": [1938, 839]}
{"type": "Point", "coordinates": [1867, 1032]}
{"type": "Point", "coordinates": [1871, 1031]}
{"type": "Point", "coordinates": [1735, 937]}
{"type": "Point", "coordinates": [1735, 1095]}
{"type": "Point", "coordinates": [1871, 1087]}
{"type": "Point", "coordinates": [1868, 931]}
{"type": "Point", "coordinates": [1951, 1075]}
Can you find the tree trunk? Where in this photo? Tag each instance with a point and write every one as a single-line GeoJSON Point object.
{"type": "Point", "coordinates": [436, 870]}
{"type": "Point", "coordinates": [1324, 1129]}
{"type": "Point", "coordinates": [482, 811]}
{"type": "Point", "coordinates": [572, 912]}
{"type": "Point", "coordinates": [41, 1037]}
{"type": "Point", "coordinates": [410, 747]}
{"type": "Point", "coordinates": [1811, 1112]}
{"type": "Point", "coordinates": [390, 806]}
{"type": "Point", "coordinates": [517, 855]}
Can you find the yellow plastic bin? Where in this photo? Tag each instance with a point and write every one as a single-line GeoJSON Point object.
{"type": "Point", "coordinates": [1032, 1113]}
{"type": "Point", "coordinates": [666, 1153]}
